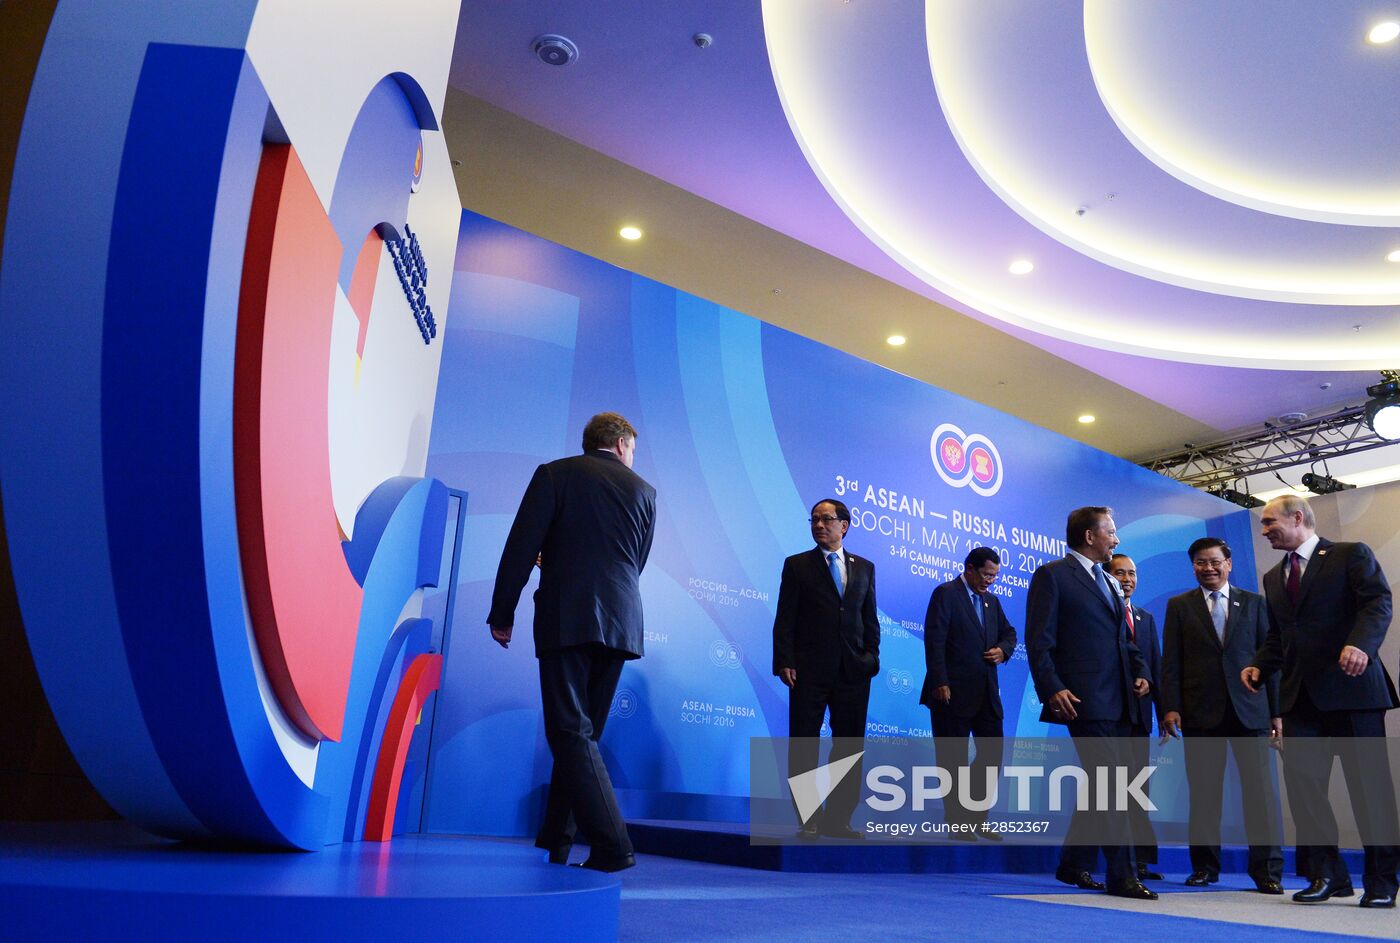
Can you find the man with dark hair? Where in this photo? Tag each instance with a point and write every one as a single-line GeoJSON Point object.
{"type": "Point", "coordinates": [1211, 633]}
{"type": "Point", "coordinates": [1329, 610]}
{"type": "Point", "coordinates": [1142, 631]}
{"type": "Point", "coordinates": [1090, 676]}
{"type": "Point", "coordinates": [588, 521]}
{"type": "Point", "coordinates": [826, 648]}
{"type": "Point", "coordinates": [966, 637]}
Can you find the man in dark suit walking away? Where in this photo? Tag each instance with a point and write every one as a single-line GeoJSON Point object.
{"type": "Point", "coordinates": [588, 520]}
{"type": "Point", "coordinates": [966, 638]}
{"type": "Point", "coordinates": [1329, 609]}
{"type": "Point", "coordinates": [1210, 635]}
{"type": "Point", "coordinates": [1091, 677]}
{"type": "Point", "coordinates": [1142, 631]}
{"type": "Point", "coordinates": [826, 648]}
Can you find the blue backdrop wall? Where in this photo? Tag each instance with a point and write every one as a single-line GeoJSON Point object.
{"type": "Point", "coordinates": [743, 426]}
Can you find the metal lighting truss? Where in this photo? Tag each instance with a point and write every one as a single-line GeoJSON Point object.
{"type": "Point", "coordinates": [1275, 447]}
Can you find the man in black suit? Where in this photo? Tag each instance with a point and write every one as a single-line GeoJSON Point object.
{"type": "Point", "coordinates": [588, 521]}
{"type": "Point", "coordinates": [1090, 676]}
{"type": "Point", "coordinates": [826, 648]}
{"type": "Point", "coordinates": [966, 637]}
{"type": "Point", "coordinates": [1142, 631]}
{"type": "Point", "coordinates": [1210, 635]}
{"type": "Point", "coordinates": [1329, 609]}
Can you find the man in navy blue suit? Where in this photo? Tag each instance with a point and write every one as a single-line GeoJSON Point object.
{"type": "Point", "coordinates": [588, 521]}
{"type": "Point", "coordinates": [826, 648]}
{"type": "Point", "coordinates": [1329, 610]}
{"type": "Point", "coordinates": [966, 638]}
{"type": "Point", "coordinates": [1211, 634]}
{"type": "Point", "coordinates": [1090, 676]}
{"type": "Point", "coordinates": [1142, 630]}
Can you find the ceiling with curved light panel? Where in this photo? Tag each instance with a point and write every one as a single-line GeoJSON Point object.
{"type": "Point", "coordinates": [1184, 185]}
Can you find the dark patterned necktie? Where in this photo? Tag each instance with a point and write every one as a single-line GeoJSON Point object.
{"type": "Point", "coordinates": [1294, 577]}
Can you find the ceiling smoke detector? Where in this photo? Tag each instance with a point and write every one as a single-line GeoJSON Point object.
{"type": "Point", "coordinates": [553, 49]}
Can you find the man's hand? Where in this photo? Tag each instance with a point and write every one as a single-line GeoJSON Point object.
{"type": "Point", "coordinates": [943, 694]}
{"type": "Point", "coordinates": [1249, 677]}
{"type": "Point", "coordinates": [994, 655]}
{"type": "Point", "coordinates": [501, 633]}
{"type": "Point", "coordinates": [788, 676]}
{"type": "Point", "coordinates": [1062, 705]}
{"type": "Point", "coordinates": [1171, 725]}
{"type": "Point", "coordinates": [1142, 686]}
{"type": "Point", "coordinates": [1276, 732]}
{"type": "Point", "coordinates": [1353, 661]}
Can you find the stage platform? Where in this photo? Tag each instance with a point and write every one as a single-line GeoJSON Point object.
{"type": "Point", "coordinates": [113, 882]}
{"type": "Point", "coordinates": [729, 843]}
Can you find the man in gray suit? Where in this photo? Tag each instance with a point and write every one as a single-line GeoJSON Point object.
{"type": "Point", "coordinates": [588, 521]}
{"type": "Point", "coordinates": [1210, 635]}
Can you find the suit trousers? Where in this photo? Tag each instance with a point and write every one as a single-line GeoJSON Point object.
{"type": "Point", "coordinates": [577, 686]}
{"type": "Point", "coordinates": [1205, 775]}
{"type": "Point", "coordinates": [1365, 764]}
{"type": "Point", "coordinates": [950, 733]}
{"type": "Point", "coordinates": [1100, 743]}
{"type": "Point", "coordinates": [810, 699]}
{"type": "Point", "coordinates": [1139, 822]}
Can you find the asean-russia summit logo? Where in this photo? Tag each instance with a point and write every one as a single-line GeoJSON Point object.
{"type": "Point", "coordinates": [966, 461]}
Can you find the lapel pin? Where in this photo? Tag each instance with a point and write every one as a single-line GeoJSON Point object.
{"type": "Point", "coordinates": [1322, 553]}
{"type": "Point", "coordinates": [1235, 603]}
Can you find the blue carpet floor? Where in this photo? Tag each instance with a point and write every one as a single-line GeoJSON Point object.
{"type": "Point", "coordinates": [674, 901]}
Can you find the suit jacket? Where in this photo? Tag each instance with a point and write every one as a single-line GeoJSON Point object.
{"type": "Point", "coordinates": [821, 632]}
{"type": "Point", "coordinates": [1343, 599]}
{"type": "Point", "coordinates": [1146, 638]}
{"type": "Point", "coordinates": [1200, 675]}
{"type": "Point", "coordinates": [954, 641]}
{"type": "Point", "coordinates": [592, 518]}
{"type": "Point", "coordinates": [1077, 639]}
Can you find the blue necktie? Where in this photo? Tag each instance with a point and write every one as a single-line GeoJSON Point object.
{"type": "Point", "coordinates": [1103, 584]}
{"type": "Point", "coordinates": [977, 607]}
{"type": "Point", "coordinates": [1217, 615]}
{"type": "Point", "coordinates": [835, 568]}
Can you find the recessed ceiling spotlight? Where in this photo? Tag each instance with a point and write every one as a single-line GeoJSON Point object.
{"type": "Point", "coordinates": [1393, 256]}
{"type": "Point", "coordinates": [1022, 267]}
{"type": "Point", "coordinates": [630, 233]}
{"type": "Point", "coordinates": [1086, 419]}
{"type": "Point", "coordinates": [896, 340]}
{"type": "Point", "coordinates": [1383, 32]}
{"type": "Point", "coordinates": [553, 49]}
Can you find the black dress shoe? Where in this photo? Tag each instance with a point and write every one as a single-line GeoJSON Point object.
{"type": "Point", "coordinates": [1146, 875]}
{"type": "Point", "coordinates": [808, 833]}
{"type": "Point", "coordinates": [1378, 899]}
{"type": "Point", "coordinates": [1080, 879]}
{"type": "Point", "coordinates": [560, 855]}
{"type": "Point", "coordinates": [1320, 890]}
{"type": "Point", "coordinates": [1268, 887]}
{"type": "Point", "coordinates": [1133, 890]}
{"type": "Point", "coordinates": [1201, 879]}
{"type": "Point", "coordinates": [841, 831]}
{"type": "Point", "coordinates": [608, 863]}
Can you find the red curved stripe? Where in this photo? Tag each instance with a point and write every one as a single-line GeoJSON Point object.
{"type": "Point", "coordinates": [420, 680]}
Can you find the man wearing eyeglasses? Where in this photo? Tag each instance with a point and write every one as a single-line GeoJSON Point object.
{"type": "Point", "coordinates": [826, 648]}
{"type": "Point", "coordinates": [1210, 635]}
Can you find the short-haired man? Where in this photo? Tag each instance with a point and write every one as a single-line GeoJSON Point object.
{"type": "Point", "coordinates": [1090, 676]}
{"type": "Point", "coordinates": [966, 638]}
{"type": "Point", "coordinates": [826, 648]}
{"type": "Point", "coordinates": [1329, 609]}
{"type": "Point", "coordinates": [1142, 630]}
{"type": "Point", "coordinates": [1210, 635]}
{"type": "Point", "coordinates": [588, 520]}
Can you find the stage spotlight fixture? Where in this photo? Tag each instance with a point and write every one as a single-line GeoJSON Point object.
{"type": "Point", "coordinates": [1241, 498]}
{"type": "Point", "coordinates": [1383, 410]}
{"type": "Point", "coordinates": [1324, 484]}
